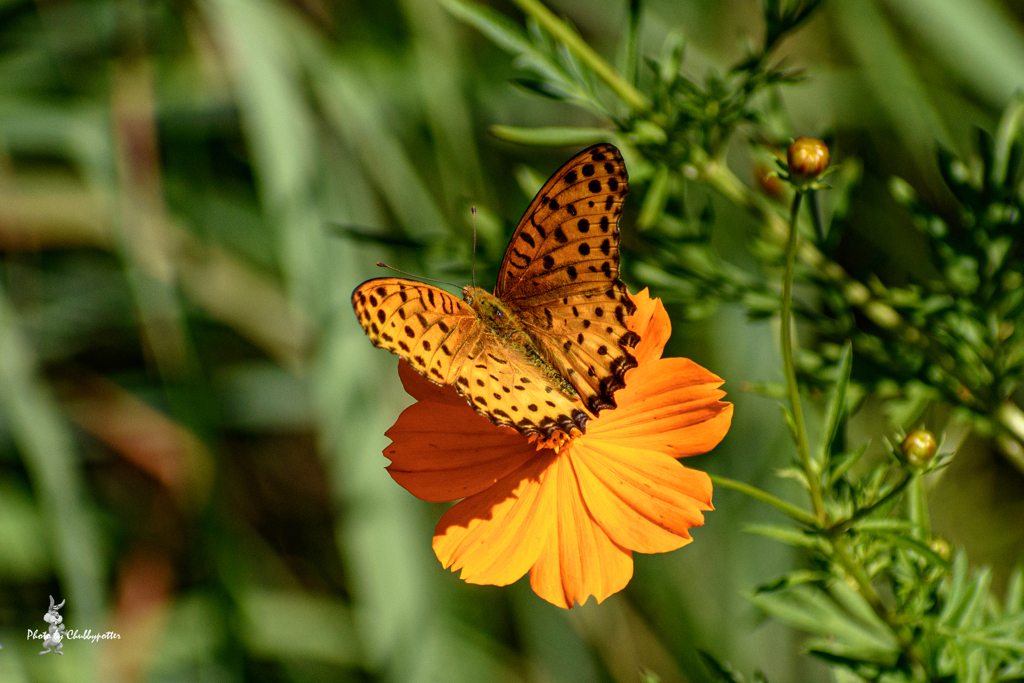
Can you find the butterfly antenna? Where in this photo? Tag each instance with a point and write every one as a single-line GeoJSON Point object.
{"type": "Point", "coordinates": [381, 264]}
{"type": "Point", "coordinates": [473, 210]}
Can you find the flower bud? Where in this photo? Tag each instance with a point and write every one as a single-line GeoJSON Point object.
{"type": "Point", "coordinates": [807, 158]}
{"type": "Point", "coordinates": [768, 181]}
{"type": "Point", "coordinates": [941, 548]}
{"type": "Point", "coordinates": [919, 447]}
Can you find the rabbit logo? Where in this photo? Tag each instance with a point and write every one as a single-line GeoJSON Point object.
{"type": "Point", "coordinates": [52, 642]}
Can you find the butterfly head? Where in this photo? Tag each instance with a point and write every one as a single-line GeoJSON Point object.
{"type": "Point", "coordinates": [489, 308]}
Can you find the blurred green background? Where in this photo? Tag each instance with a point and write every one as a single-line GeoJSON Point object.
{"type": "Point", "coordinates": [191, 419]}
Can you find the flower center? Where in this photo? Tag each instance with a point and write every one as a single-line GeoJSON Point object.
{"type": "Point", "coordinates": [556, 441]}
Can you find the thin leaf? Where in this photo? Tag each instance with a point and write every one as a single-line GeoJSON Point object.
{"type": "Point", "coordinates": [555, 82]}
{"type": "Point", "coordinates": [672, 52]}
{"type": "Point", "coordinates": [811, 610]}
{"type": "Point", "coordinates": [787, 417]}
{"type": "Point", "coordinates": [794, 578]}
{"type": "Point", "coordinates": [630, 50]}
{"type": "Point", "coordinates": [974, 607]}
{"type": "Point", "coordinates": [555, 136]}
{"type": "Point", "coordinates": [500, 29]}
{"type": "Point", "coordinates": [721, 672]}
{"type": "Point", "coordinates": [838, 655]}
{"type": "Point", "coordinates": [655, 200]}
{"type": "Point", "coordinates": [957, 590]}
{"type": "Point", "coordinates": [836, 410]}
{"type": "Point", "coordinates": [884, 525]}
{"type": "Point", "coordinates": [787, 535]}
{"type": "Point", "coordinates": [48, 451]}
{"type": "Point", "coordinates": [566, 34]}
{"type": "Point", "coordinates": [792, 511]}
{"type": "Point", "coordinates": [1006, 624]}
{"type": "Point", "coordinates": [1010, 644]}
{"type": "Point", "coordinates": [1007, 135]}
{"type": "Point", "coordinates": [543, 88]}
{"type": "Point", "coordinates": [1015, 592]}
{"type": "Point", "coordinates": [858, 607]}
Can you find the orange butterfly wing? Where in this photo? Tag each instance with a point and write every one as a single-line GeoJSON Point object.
{"type": "Point", "coordinates": [561, 274]}
{"type": "Point", "coordinates": [431, 329]}
{"type": "Point", "coordinates": [443, 339]}
{"type": "Point", "coordinates": [511, 391]}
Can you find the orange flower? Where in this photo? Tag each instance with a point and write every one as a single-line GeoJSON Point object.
{"type": "Point", "coordinates": [572, 517]}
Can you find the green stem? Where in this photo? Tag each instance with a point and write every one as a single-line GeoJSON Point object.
{"type": "Point", "coordinates": [802, 445]}
{"type": "Point", "coordinates": [564, 33]}
{"type": "Point", "coordinates": [918, 506]}
{"type": "Point", "coordinates": [782, 506]}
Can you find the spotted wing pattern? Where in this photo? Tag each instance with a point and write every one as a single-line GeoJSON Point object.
{"type": "Point", "coordinates": [431, 329]}
{"type": "Point", "coordinates": [443, 339]}
{"type": "Point", "coordinates": [510, 391]}
{"type": "Point", "coordinates": [561, 273]}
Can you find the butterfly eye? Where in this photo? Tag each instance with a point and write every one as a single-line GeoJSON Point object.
{"type": "Point", "coordinates": [498, 314]}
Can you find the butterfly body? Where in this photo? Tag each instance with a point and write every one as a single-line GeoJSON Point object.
{"type": "Point", "coordinates": [551, 343]}
{"type": "Point", "coordinates": [503, 323]}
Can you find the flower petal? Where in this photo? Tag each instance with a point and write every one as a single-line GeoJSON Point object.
{"type": "Point", "coordinates": [644, 500]}
{"type": "Point", "coordinates": [441, 449]}
{"type": "Point", "coordinates": [670, 405]}
{"type": "Point", "coordinates": [579, 559]}
{"type": "Point", "coordinates": [650, 321]}
{"type": "Point", "coordinates": [495, 536]}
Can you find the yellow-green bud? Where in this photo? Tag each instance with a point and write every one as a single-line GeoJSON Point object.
{"type": "Point", "coordinates": [807, 158]}
{"type": "Point", "coordinates": [919, 447]}
{"type": "Point", "coordinates": [941, 548]}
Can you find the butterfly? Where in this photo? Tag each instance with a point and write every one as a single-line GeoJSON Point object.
{"type": "Point", "coordinates": [551, 343]}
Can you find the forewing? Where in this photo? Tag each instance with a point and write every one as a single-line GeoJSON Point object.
{"type": "Point", "coordinates": [568, 239]}
{"type": "Point", "coordinates": [561, 272]}
{"type": "Point", "coordinates": [442, 339]}
{"type": "Point", "coordinates": [431, 329]}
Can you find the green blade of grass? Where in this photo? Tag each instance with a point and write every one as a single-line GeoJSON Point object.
{"type": "Point", "coordinates": [49, 453]}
